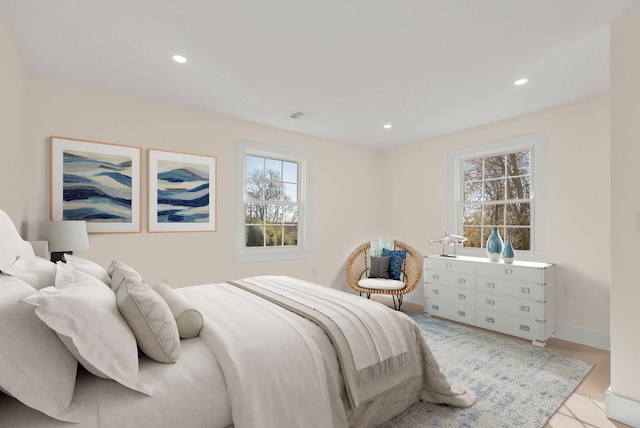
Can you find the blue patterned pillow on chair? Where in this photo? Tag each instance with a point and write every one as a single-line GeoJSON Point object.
{"type": "Point", "coordinates": [396, 260]}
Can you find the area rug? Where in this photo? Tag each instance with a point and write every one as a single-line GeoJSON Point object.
{"type": "Point", "coordinates": [517, 384]}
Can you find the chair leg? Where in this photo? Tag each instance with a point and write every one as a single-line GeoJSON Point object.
{"type": "Point", "coordinates": [399, 297]}
{"type": "Point", "coordinates": [368, 294]}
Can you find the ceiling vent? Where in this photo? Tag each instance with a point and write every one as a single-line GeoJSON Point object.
{"type": "Point", "coordinates": [301, 115]}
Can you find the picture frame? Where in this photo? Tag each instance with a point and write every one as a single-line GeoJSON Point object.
{"type": "Point", "coordinates": [97, 182]}
{"type": "Point", "coordinates": [182, 192]}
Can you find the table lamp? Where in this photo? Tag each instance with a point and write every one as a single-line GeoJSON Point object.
{"type": "Point", "coordinates": [64, 237]}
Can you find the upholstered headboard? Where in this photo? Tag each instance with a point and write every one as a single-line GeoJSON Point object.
{"type": "Point", "coordinates": [12, 245]}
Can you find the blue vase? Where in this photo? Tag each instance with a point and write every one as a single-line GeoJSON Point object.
{"type": "Point", "coordinates": [494, 245]}
{"type": "Point", "coordinates": [508, 255]}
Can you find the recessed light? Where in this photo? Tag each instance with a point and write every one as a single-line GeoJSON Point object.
{"type": "Point", "coordinates": [520, 82]}
{"type": "Point", "coordinates": [387, 126]}
{"type": "Point", "coordinates": [179, 59]}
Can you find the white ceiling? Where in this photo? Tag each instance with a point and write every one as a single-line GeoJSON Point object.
{"type": "Point", "coordinates": [429, 67]}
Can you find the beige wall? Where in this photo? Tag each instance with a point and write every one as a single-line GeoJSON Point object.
{"type": "Point", "coordinates": [625, 209]}
{"type": "Point", "coordinates": [578, 208]}
{"type": "Point", "coordinates": [14, 83]}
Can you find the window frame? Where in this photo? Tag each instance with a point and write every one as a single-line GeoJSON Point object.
{"type": "Point", "coordinates": [303, 249]}
{"type": "Point", "coordinates": [537, 144]}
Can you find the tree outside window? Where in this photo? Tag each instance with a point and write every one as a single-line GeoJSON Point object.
{"type": "Point", "coordinates": [497, 194]}
{"type": "Point", "coordinates": [271, 202]}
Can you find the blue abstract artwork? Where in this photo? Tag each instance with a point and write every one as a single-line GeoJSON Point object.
{"type": "Point", "coordinates": [183, 194]}
{"type": "Point", "coordinates": [96, 187]}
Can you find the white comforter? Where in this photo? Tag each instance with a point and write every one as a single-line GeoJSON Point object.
{"type": "Point", "coordinates": [246, 371]}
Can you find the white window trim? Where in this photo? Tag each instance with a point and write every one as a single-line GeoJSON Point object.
{"type": "Point", "coordinates": [537, 143]}
{"type": "Point", "coordinates": [303, 250]}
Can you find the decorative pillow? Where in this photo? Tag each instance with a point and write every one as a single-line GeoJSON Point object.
{"type": "Point", "coordinates": [118, 271]}
{"type": "Point", "coordinates": [87, 266]}
{"type": "Point", "coordinates": [188, 318]}
{"type": "Point", "coordinates": [83, 312]}
{"type": "Point", "coordinates": [379, 267]}
{"type": "Point", "coordinates": [35, 367]}
{"type": "Point", "coordinates": [33, 270]}
{"type": "Point", "coordinates": [396, 260]}
{"type": "Point", "coordinates": [150, 320]}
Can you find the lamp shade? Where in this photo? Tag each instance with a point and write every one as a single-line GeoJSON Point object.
{"type": "Point", "coordinates": [64, 235]}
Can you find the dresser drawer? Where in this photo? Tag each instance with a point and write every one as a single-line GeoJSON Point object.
{"type": "Point", "coordinates": [510, 324]}
{"type": "Point", "coordinates": [449, 264]}
{"type": "Point", "coordinates": [453, 294]}
{"type": "Point", "coordinates": [449, 310]}
{"type": "Point", "coordinates": [534, 291]}
{"type": "Point", "coordinates": [509, 305]}
{"type": "Point", "coordinates": [511, 272]}
{"type": "Point", "coordinates": [450, 278]}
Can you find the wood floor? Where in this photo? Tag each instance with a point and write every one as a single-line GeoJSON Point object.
{"type": "Point", "coordinates": [585, 407]}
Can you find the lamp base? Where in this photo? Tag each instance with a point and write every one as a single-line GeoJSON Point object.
{"type": "Point", "coordinates": [58, 256]}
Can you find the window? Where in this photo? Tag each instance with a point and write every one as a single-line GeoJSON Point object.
{"type": "Point", "coordinates": [272, 202]}
{"type": "Point", "coordinates": [497, 195]}
{"type": "Point", "coordinates": [500, 185]}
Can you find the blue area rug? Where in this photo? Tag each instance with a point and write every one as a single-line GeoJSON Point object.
{"type": "Point", "coordinates": [517, 384]}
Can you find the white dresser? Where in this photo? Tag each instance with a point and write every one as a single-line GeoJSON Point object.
{"type": "Point", "coordinates": [516, 299]}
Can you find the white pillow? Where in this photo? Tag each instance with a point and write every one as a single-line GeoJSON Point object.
{"type": "Point", "coordinates": [118, 271]}
{"type": "Point", "coordinates": [188, 318]}
{"type": "Point", "coordinates": [83, 312]}
{"type": "Point", "coordinates": [150, 319]}
{"type": "Point", "coordinates": [87, 266]}
{"type": "Point", "coordinates": [35, 367]}
{"type": "Point", "coordinates": [33, 270]}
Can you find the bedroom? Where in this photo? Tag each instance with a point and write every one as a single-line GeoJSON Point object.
{"type": "Point", "coordinates": [589, 135]}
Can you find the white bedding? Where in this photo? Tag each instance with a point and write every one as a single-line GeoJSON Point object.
{"type": "Point", "coordinates": [187, 394]}
{"type": "Point", "coordinates": [272, 361]}
{"type": "Point", "coordinates": [196, 391]}
{"type": "Point", "coordinates": [256, 364]}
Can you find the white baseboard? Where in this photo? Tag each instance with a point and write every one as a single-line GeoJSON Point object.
{"type": "Point", "coordinates": [583, 336]}
{"type": "Point", "coordinates": [622, 409]}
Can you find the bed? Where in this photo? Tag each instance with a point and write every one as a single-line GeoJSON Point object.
{"type": "Point", "coordinates": [86, 346]}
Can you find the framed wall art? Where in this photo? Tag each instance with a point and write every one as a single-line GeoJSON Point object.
{"type": "Point", "coordinates": [98, 183]}
{"type": "Point", "coordinates": [182, 192]}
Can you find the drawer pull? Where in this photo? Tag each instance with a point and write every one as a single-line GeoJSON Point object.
{"type": "Point", "coordinates": [524, 308]}
{"type": "Point", "coordinates": [435, 307]}
{"type": "Point", "coordinates": [462, 281]}
{"type": "Point", "coordinates": [435, 277]}
{"type": "Point", "coordinates": [524, 327]}
{"type": "Point", "coordinates": [462, 313]}
{"type": "Point", "coordinates": [525, 290]}
{"type": "Point", "coordinates": [462, 296]}
{"type": "Point", "coordinates": [490, 320]}
{"type": "Point", "coordinates": [448, 264]}
{"type": "Point", "coordinates": [491, 302]}
{"type": "Point", "coordinates": [436, 291]}
{"type": "Point", "coordinates": [508, 271]}
{"type": "Point", "coordinates": [491, 285]}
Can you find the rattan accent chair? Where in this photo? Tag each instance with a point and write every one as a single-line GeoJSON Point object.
{"type": "Point", "coordinates": [358, 265]}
